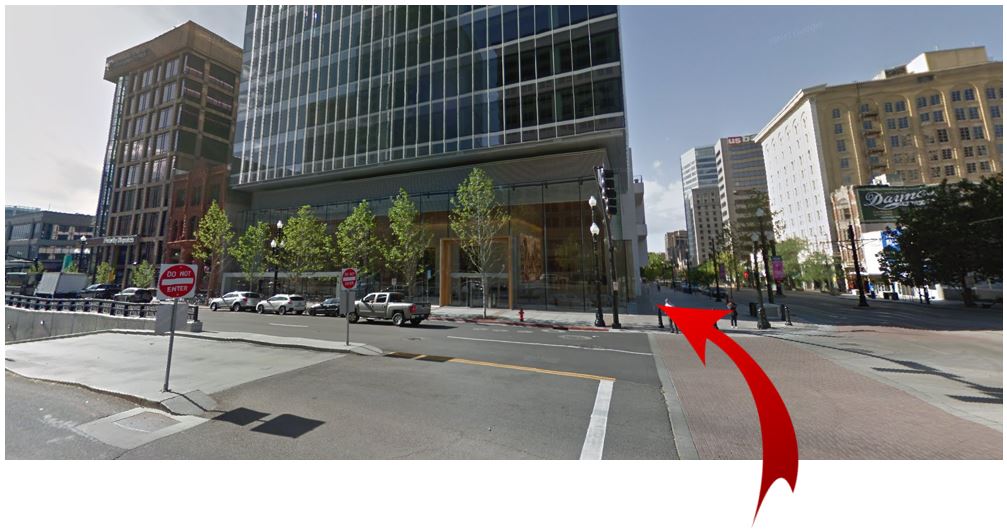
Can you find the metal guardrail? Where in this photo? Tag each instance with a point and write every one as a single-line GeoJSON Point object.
{"type": "Point", "coordinates": [98, 306]}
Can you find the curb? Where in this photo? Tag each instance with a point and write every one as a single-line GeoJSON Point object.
{"type": "Point", "coordinates": [144, 402]}
{"type": "Point", "coordinates": [341, 349]}
{"type": "Point", "coordinates": [495, 321]}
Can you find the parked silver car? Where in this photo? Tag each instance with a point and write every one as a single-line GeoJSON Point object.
{"type": "Point", "coordinates": [236, 301]}
{"type": "Point", "coordinates": [282, 304]}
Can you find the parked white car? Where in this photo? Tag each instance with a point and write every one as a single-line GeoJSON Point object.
{"type": "Point", "coordinates": [236, 301]}
{"type": "Point", "coordinates": [282, 304]}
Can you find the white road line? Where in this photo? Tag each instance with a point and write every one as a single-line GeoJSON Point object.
{"type": "Point", "coordinates": [550, 345]}
{"type": "Point", "coordinates": [594, 441]}
{"type": "Point", "coordinates": [288, 325]}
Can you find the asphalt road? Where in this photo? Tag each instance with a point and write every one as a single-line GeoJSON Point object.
{"type": "Point", "coordinates": [624, 356]}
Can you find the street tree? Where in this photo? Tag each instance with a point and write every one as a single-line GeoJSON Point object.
{"type": "Point", "coordinates": [104, 274]}
{"type": "Point", "coordinates": [817, 269]}
{"type": "Point", "coordinates": [477, 218]}
{"type": "Point", "coordinates": [408, 241]}
{"type": "Point", "coordinates": [790, 250]}
{"type": "Point", "coordinates": [357, 243]}
{"type": "Point", "coordinates": [957, 234]}
{"type": "Point", "coordinates": [143, 275]}
{"type": "Point", "coordinates": [213, 236]}
{"type": "Point", "coordinates": [70, 267]}
{"type": "Point", "coordinates": [307, 247]}
{"type": "Point", "coordinates": [251, 250]}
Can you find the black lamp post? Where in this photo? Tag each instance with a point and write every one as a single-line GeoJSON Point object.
{"type": "Point", "coordinates": [599, 317]}
{"type": "Point", "coordinates": [277, 245]}
{"type": "Point", "coordinates": [80, 258]}
{"type": "Point", "coordinates": [856, 266]}
{"type": "Point", "coordinates": [763, 322]}
{"type": "Point", "coordinates": [716, 267]}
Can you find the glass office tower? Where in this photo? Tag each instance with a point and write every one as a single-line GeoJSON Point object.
{"type": "Point", "coordinates": [344, 103]}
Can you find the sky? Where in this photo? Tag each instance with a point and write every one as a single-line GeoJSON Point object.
{"type": "Point", "coordinates": [692, 75]}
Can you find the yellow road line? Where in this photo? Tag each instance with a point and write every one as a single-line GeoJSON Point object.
{"type": "Point", "coordinates": [531, 369]}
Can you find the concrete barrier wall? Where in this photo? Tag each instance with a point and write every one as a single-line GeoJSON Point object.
{"type": "Point", "coordinates": [23, 324]}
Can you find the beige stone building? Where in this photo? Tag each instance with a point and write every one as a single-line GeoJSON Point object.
{"type": "Point", "coordinates": [936, 117]}
{"type": "Point", "coordinates": [703, 208]}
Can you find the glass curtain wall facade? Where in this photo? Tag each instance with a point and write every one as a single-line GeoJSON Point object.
{"type": "Point", "coordinates": [326, 88]}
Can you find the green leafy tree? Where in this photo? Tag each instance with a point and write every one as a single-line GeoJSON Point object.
{"type": "Point", "coordinates": [409, 240]}
{"type": "Point", "coordinates": [817, 269]}
{"type": "Point", "coordinates": [957, 233]}
{"type": "Point", "coordinates": [790, 251]}
{"type": "Point", "coordinates": [357, 243]}
{"type": "Point", "coordinates": [477, 218]}
{"type": "Point", "coordinates": [143, 275]}
{"type": "Point", "coordinates": [306, 245]}
{"type": "Point", "coordinates": [213, 237]}
{"type": "Point", "coordinates": [251, 250]}
{"type": "Point", "coordinates": [71, 267]}
{"type": "Point", "coordinates": [105, 273]}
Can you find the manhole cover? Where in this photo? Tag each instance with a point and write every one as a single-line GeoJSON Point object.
{"type": "Point", "coordinates": [146, 422]}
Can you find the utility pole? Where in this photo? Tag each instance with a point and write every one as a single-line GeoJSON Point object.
{"type": "Point", "coordinates": [606, 182]}
{"type": "Point", "coordinates": [856, 266]}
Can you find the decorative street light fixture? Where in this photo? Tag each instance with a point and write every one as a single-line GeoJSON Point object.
{"type": "Point", "coordinates": [80, 258]}
{"type": "Point", "coordinates": [277, 245]}
{"type": "Point", "coordinates": [716, 267]}
{"type": "Point", "coordinates": [599, 317]}
{"type": "Point", "coordinates": [763, 322]}
{"type": "Point", "coordinates": [856, 266]}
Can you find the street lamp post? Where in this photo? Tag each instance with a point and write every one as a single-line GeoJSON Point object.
{"type": "Point", "coordinates": [761, 216]}
{"type": "Point", "coordinates": [599, 317]}
{"type": "Point", "coordinates": [80, 258]}
{"type": "Point", "coordinates": [763, 323]}
{"type": "Point", "coordinates": [716, 268]}
{"type": "Point", "coordinates": [277, 244]}
{"type": "Point", "coordinates": [856, 266]}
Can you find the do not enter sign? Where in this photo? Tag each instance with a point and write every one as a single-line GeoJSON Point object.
{"type": "Point", "coordinates": [349, 278]}
{"type": "Point", "coordinates": [176, 280]}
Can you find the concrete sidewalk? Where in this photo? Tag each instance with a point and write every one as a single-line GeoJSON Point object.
{"type": "Point", "coordinates": [133, 365]}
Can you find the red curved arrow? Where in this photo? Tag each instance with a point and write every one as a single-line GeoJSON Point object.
{"type": "Point", "coordinates": [779, 442]}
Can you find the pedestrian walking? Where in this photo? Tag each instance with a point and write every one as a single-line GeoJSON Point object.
{"type": "Point", "coordinates": [734, 312]}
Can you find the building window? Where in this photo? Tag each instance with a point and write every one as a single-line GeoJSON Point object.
{"type": "Point", "coordinates": [981, 150]}
{"type": "Point", "coordinates": [969, 151]}
{"type": "Point", "coordinates": [978, 133]}
{"type": "Point", "coordinates": [868, 124]}
{"type": "Point", "coordinates": [935, 99]}
{"type": "Point", "coordinates": [938, 116]}
{"type": "Point", "coordinates": [949, 170]}
{"type": "Point", "coordinates": [942, 135]}
{"type": "Point", "coordinates": [839, 129]}
{"type": "Point", "coordinates": [970, 168]}
{"type": "Point", "coordinates": [995, 111]}
{"type": "Point", "coordinates": [844, 162]}
{"type": "Point", "coordinates": [864, 108]}
{"type": "Point", "coordinates": [872, 143]}
{"type": "Point", "coordinates": [991, 93]}
{"type": "Point", "coordinates": [946, 154]}
{"type": "Point", "coordinates": [835, 113]}
{"type": "Point", "coordinates": [970, 94]}
{"type": "Point", "coordinates": [841, 145]}
{"type": "Point", "coordinates": [904, 122]}
{"type": "Point", "coordinates": [935, 172]}
{"type": "Point", "coordinates": [890, 123]}
{"type": "Point", "coordinates": [921, 101]}
{"type": "Point", "coordinates": [959, 113]}
{"type": "Point", "coordinates": [900, 106]}
{"type": "Point", "coordinates": [999, 130]}
{"type": "Point", "coordinates": [963, 133]}
{"type": "Point", "coordinates": [956, 96]}
{"type": "Point", "coordinates": [180, 197]}
{"type": "Point", "coordinates": [894, 141]}
{"type": "Point", "coordinates": [924, 117]}
{"type": "Point", "coordinates": [888, 107]}
{"type": "Point", "coordinates": [974, 113]}
{"type": "Point", "coordinates": [984, 166]}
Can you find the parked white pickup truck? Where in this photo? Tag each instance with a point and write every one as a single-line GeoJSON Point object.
{"type": "Point", "coordinates": [388, 306]}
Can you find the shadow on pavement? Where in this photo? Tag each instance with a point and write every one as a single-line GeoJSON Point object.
{"type": "Point", "coordinates": [287, 425]}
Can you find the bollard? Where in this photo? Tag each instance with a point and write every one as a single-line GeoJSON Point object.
{"type": "Point", "coordinates": [660, 318]}
{"type": "Point", "coordinates": [520, 315]}
{"type": "Point", "coordinates": [786, 310]}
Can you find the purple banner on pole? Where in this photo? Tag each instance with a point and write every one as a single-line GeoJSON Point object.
{"type": "Point", "coordinates": [778, 268]}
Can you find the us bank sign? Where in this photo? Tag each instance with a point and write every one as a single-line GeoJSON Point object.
{"type": "Point", "coordinates": [882, 204]}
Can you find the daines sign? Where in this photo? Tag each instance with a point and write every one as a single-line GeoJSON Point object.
{"type": "Point", "coordinates": [882, 204]}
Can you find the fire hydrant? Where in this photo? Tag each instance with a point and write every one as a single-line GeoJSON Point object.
{"type": "Point", "coordinates": [520, 314]}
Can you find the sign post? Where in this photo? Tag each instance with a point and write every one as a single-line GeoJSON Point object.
{"type": "Point", "coordinates": [349, 282]}
{"type": "Point", "coordinates": [176, 281]}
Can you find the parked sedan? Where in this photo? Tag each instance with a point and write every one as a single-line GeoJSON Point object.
{"type": "Point", "coordinates": [100, 291]}
{"type": "Point", "coordinates": [236, 301]}
{"type": "Point", "coordinates": [136, 295]}
{"type": "Point", "coordinates": [282, 304]}
{"type": "Point", "coordinates": [329, 307]}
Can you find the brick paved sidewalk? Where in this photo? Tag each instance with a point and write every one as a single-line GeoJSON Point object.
{"type": "Point", "coordinates": [837, 413]}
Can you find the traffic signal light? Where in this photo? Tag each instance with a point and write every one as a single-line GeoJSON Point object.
{"type": "Point", "coordinates": [606, 179]}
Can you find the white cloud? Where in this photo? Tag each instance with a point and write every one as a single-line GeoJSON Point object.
{"type": "Point", "coordinates": [658, 164]}
{"type": "Point", "coordinates": [664, 211]}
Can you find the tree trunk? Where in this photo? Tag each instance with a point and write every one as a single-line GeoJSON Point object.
{"type": "Point", "coordinates": [966, 293]}
{"type": "Point", "coordinates": [485, 294]}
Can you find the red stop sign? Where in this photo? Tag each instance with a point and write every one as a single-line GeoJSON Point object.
{"type": "Point", "coordinates": [349, 278]}
{"type": "Point", "coordinates": [177, 280]}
